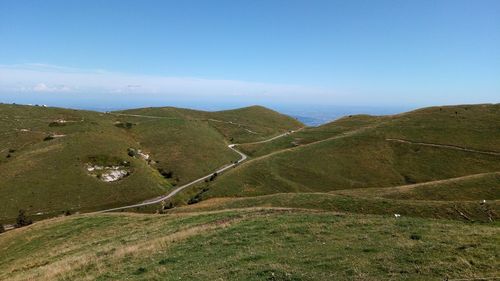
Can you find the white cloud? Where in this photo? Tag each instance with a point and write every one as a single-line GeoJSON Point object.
{"type": "Point", "coordinates": [42, 87]}
{"type": "Point", "coordinates": [55, 79]}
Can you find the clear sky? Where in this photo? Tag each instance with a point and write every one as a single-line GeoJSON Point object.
{"type": "Point", "coordinates": [380, 53]}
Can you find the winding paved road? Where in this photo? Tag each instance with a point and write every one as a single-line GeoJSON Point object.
{"type": "Point", "coordinates": [180, 188]}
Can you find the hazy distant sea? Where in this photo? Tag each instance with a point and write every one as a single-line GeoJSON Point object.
{"type": "Point", "coordinates": [317, 115]}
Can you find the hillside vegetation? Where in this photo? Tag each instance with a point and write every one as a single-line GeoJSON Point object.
{"type": "Point", "coordinates": [55, 160]}
{"type": "Point", "coordinates": [251, 244]}
{"type": "Point", "coordinates": [362, 151]}
{"type": "Point", "coordinates": [453, 210]}
{"type": "Point", "coordinates": [477, 187]}
{"type": "Point", "coordinates": [242, 125]}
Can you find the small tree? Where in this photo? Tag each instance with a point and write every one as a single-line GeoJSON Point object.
{"type": "Point", "coordinates": [22, 220]}
{"type": "Point", "coordinates": [166, 174]}
{"type": "Point", "coordinates": [213, 176]}
{"type": "Point", "coordinates": [131, 152]}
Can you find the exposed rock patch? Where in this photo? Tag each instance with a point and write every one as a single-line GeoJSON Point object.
{"type": "Point", "coordinates": [107, 169]}
{"type": "Point", "coordinates": [108, 173]}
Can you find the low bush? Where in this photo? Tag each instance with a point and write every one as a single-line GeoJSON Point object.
{"type": "Point", "coordinates": [22, 220]}
{"type": "Point", "coordinates": [414, 236]}
{"type": "Point", "coordinates": [166, 174]}
{"type": "Point", "coordinates": [126, 125]}
{"type": "Point", "coordinates": [57, 124]}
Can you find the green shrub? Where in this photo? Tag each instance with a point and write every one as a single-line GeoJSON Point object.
{"type": "Point", "coordinates": [56, 124]}
{"type": "Point", "coordinates": [126, 125]}
{"type": "Point", "coordinates": [197, 198]}
{"type": "Point", "coordinates": [166, 174]}
{"type": "Point", "coordinates": [22, 220]}
{"type": "Point", "coordinates": [414, 236]}
{"type": "Point", "coordinates": [131, 152]}
{"type": "Point", "coordinates": [140, 270]}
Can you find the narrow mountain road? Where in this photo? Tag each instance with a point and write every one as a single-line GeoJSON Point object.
{"type": "Point", "coordinates": [245, 127]}
{"type": "Point", "coordinates": [276, 137]}
{"type": "Point", "coordinates": [142, 116]}
{"type": "Point", "coordinates": [177, 118]}
{"type": "Point", "coordinates": [180, 188]}
{"type": "Point", "coordinates": [408, 187]}
{"type": "Point", "coordinates": [381, 191]}
{"type": "Point", "coordinates": [445, 146]}
{"type": "Point", "coordinates": [339, 136]}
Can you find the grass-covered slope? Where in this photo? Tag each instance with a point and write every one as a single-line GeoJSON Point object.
{"type": "Point", "coordinates": [251, 244]}
{"type": "Point", "coordinates": [44, 154]}
{"type": "Point", "coordinates": [471, 126]}
{"type": "Point", "coordinates": [242, 125]}
{"type": "Point", "coordinates": [476, 187]}
{"type": "Point", "coordinates": [47, 176]}
{"type": "Point", "coordinates": [346, 125]}
{"type": "Point", "coordinates": [373, 152]}
{"type": "Point", "coordinates": [361, 201]}
{"type": "Point", "coordinates": [185, 149]}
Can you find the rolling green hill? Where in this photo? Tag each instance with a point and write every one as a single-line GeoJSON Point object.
{"type": "Point", "coordinates": [242, 125]}
{"type": "Point", "coordinates": [46, 154]}
{"type": "Point", "coordinates": [250, 244]}
{"type": "Point", "coordinates": [476, 187]}
{"type": "Point", "coordinates": [47, 176]}
{"type": "Point", "coordinates": [362, 151]}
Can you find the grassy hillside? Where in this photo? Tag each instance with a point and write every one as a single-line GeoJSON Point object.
{"type": "Point", "coordinates": [237, 126]}
{"type": "Point", "coordinates": [187, 149]}
{"type": "Point", "coordinates": [452, 210]}
{"type": "Point", "coordinates": [47, 176]}
{"type": "Point", "coordinates": [472, 126]}
{"type": "Point", "coordinates": [266, 244]}
{"type": "Point", "coordinates": [45, 154]}
{"type": "Point", "coordinates": [345, 125]}
{"type": "Point", "coordinates": [477, 187]}
{"type": "Point", "coordinates": [366, 153]}
{"type": "Point", "coordinates": [464, 125]}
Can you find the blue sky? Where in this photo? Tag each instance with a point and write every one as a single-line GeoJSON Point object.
{"type": "Point", "coordinates": [370, 53]}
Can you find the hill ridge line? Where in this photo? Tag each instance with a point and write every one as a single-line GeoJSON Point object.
{"type": "Point", "coordinates": [178, 118]}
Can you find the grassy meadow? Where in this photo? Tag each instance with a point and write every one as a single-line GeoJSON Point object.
{"type": "Point", "coordinates": [250, 244]}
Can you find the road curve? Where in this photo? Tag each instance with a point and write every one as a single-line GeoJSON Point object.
{"type": "Point", "coordinates": [180, 188]}
{"type": "Point", "coordinates": [273, 138]}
